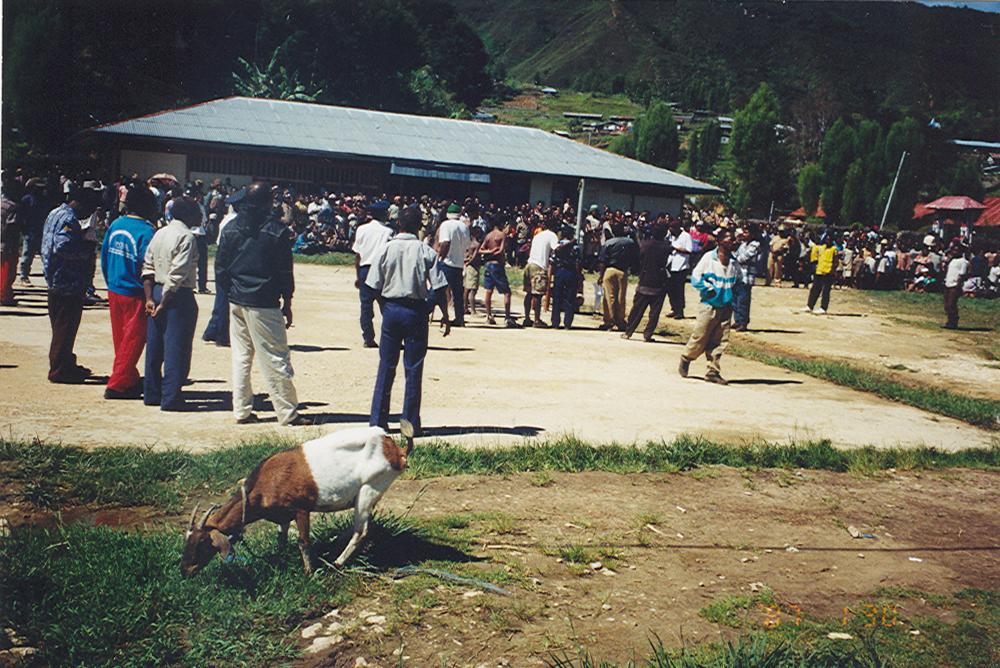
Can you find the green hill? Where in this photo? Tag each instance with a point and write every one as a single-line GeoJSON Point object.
{"type": "Point", "coordinates": [880, 59]}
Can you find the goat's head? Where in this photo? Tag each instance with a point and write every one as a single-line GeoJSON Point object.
{"type": "Point", "coordinates": [202, 544]}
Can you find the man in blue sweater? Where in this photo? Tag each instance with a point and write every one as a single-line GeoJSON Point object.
{"type": "Point", "coordinates": [122, 254]}
{"type": "Point", "coordinates": [713, 278]}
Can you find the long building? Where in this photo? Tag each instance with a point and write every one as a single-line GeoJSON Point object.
{"type": "Point", "coordinates": [358, 150]}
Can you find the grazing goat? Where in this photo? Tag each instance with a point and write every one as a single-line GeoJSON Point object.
{"type": "Point", "coordinates": [350, 468]}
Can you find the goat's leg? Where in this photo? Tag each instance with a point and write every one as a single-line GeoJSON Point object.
{"type": "Point", "coordinates": [302, 524]}
{"type": "Point", "coordinates": [367, 497]}
{"type": "Point", "coordinates": [282, 535]}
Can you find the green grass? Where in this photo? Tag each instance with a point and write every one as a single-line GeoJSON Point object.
{"type": "Point", "coordinates": [978, 313]}
{"type": "Point", "coordinates": [980, 412]}
{"type": "Point", "coordinates": [55, 476]}
{"type": "Point", "coordinates": [96, 596]}
{"type": "Point", "coordinates": [337, 258]}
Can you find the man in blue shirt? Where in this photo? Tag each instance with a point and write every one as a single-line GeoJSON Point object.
{"type": "Point", "coordinates": [122, 255]}
{"type": "Point", "coordinates": [66, 258]}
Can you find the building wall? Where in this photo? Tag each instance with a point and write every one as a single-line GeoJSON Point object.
{"type": "Point", "coordinates": [612, 194]}
{"type": "Point", "coordinates": [147, 163]}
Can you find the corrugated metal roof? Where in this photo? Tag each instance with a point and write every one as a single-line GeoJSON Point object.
{"type": "Point", "coordinates": [347, 131]}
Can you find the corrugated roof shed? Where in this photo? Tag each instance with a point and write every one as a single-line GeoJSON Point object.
{"type": "Point", "coordinates": [315, 128]}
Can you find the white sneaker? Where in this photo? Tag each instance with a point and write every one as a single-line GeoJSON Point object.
{"type": "Point", "coordinates": [818, 311]}
{"type": "Point", "coordinates": [806, 309]}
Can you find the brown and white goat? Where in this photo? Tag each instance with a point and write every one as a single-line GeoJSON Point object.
{"type": "Point", "coordinates": [345, 469]}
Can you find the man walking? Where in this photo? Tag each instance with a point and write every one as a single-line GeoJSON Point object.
{"type": "Point", "coordinates": [122, 256]}
{"type": "Point", "coordinates": [776, 259]}
{"type": "Point", "coordinates": [10, 239]}
{"type": "Point", "coordinates": [453, 240]}
{"type": "Point", "coordinates": [169, 275]}
{"type": "Point", "coordinates": [713, 277]}
{"type": "Point", "coordinates": [33, 211]}
{"type": "Point", "coordinates": [405, 273]}
{"type": "Point", "coordinates": [618, 256]}
{"type": "Point", "coordinates": [254, 266]}
{"type": "Point", "coordinates": [679, 265]}
{"type": "Point", "coordinates": [955, 274]}
{"type": "Point", "coordinates": [493, 251]}
{"type": "Point", "coordinates": [652, 289]}
{"type": "Point", "coordinates": [369, 240]}
{"type": "Point", "coordinates": [66, 261]}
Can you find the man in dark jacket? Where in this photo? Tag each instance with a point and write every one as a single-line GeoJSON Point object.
{"type": "Point", "coordinates": [652, 289]}
{"type": "Point", "coordinates": [619, 255]}
{"type": "Point", "coordinates": [254, 266]}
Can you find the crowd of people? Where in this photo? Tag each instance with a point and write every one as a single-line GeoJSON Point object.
{"type": "Point", "coordinates": [414, 255]}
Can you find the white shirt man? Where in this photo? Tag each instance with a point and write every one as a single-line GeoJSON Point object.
{"type": "Point", "coordinates": [456, 232]}
{"type": "Point", "coordinates": [370, 240]}
{"type": "Point", "coordinates": [541, 248]}
{"type": "Point", "coordinates": [680, 260]}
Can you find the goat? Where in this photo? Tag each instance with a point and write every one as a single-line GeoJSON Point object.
{"type": "Point", "coordinates": [345, 469]}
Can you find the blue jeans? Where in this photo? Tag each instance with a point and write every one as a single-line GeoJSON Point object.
{"type": "Point", "coordinates": [454, 276]}
{"type": "Point", "coordinates": [742, 292]}
{"type": "Point", "coordinates": [368, 297]}
{"type": "Point", "coordinates": [169, 339]}
{"type": "Point", "coordinates": [218, 325]}
{"type": "Point", "coordinates": [563, 296]}
{"type": "Point", "coordinates": [404, 326]}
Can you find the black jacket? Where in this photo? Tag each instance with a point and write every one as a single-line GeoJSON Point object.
{"type": "Point", "coordinates": [255, 264]}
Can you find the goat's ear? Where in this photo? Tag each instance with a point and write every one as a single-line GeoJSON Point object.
{"type": "Point", "coordinates": [221, 543]}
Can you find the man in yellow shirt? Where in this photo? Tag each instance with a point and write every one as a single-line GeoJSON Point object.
{"type": "Point", "coordinates": [824, 256]}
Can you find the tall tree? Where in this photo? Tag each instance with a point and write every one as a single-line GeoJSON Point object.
{"type": "Point", "coordinates": [852, 209]}
{"type": "Point", "coordinates": [810, 186]}
{"type": "Point", "coordinates": [657, 142]}
{"type": "Point", "coordinates": [762, 164]}
{"type": "Point", "coordinates": [694, 154]}
{"type": "Point", "coordinates": [838, 153]}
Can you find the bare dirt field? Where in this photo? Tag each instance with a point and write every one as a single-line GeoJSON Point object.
{"type": "Point", "coordinates": [669, 545]}
{"type": "Point", "coordinates": [486, 386]}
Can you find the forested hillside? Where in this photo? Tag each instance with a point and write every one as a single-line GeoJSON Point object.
{"type": "Point", "coordinates": [881, 60]}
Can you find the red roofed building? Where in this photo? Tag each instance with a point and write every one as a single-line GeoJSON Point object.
{"type": "Point", "coordinates": [990, 217]}
{"type": "Point", "coordinates": [801, 213]}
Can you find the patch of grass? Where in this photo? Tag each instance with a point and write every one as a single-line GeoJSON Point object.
{"type": "Point", "coordinates": [979, 313]}
{"type": "Point", "coordinates": [733, 611]}
{"type": "Point", "coordinates": [56, 476]}
{"type": "Point", "coordinates": [881, 637]}
{"type": "Point", "coordinates": [980, 412]}
{"type": "Point", "coordinates": [501, 524]}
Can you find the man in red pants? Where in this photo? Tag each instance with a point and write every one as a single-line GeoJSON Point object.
{"type": "Point", "coordinates": [121, 262]}
{"type": "Point", "coordinates": [10, 241]}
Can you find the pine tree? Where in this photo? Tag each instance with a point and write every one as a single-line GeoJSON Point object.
{"type": "Point", "coordinates": [760, 156]}
{"type": "Point", "coordinates": [838, 152]}
{"type": "Point", "coordinates": [657, 142]}
{"type": "Point", "coordinates": [852, 209]}
{"type": "Point", "coordinates": [810, 185]}
{"type": "Point", "coordinates": [694, 155]}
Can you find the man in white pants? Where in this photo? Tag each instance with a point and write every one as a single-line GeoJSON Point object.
{"type": "Point", "coordinates": [254, 265]}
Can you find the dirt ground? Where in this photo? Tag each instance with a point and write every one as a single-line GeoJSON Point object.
{"type": "Point", "coordinates": [486, 386]}
{"type": "Point", "coordinates": [672, 544]}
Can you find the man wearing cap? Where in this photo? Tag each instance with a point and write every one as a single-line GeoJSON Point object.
{"type": "Point", "coordinates": [122, 255]}
{"type": "Point", "coordinates": [369, 240]}
{"type": "Point", "coordinates": [254, 265]}
{"type": "Point", "coordinates": [169, 278]}
{"type": "Point", "coordinates": [454, 238]}
{"type": "Point", "coordinates": [406, 273]}
{"type": "Point", "coordinates": [66, 256]}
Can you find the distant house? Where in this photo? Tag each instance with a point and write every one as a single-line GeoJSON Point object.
{"type": "Point", "coordinates": [548, 90]}
{"type": "Point", "coordinates": [725, 124]}
{"type": "Point", "coordinates": [484, 116]}
{"type": "Point", "coordinates": [583, 117]}
{"type": "Point", "coordinates": [621, 119]}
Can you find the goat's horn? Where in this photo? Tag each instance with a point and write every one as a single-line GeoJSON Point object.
{"type": "Point", "coordinates": [407, 431]}
{"type": "Point", "coordinates": [194, 512]}
{"type": "Point", "coordinates": [204, 518]}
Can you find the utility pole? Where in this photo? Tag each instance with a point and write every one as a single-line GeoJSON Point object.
{"type": "Point", "coordinates": [892, 190]}
{"type": "Point", "coordinates": [579, 211]}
